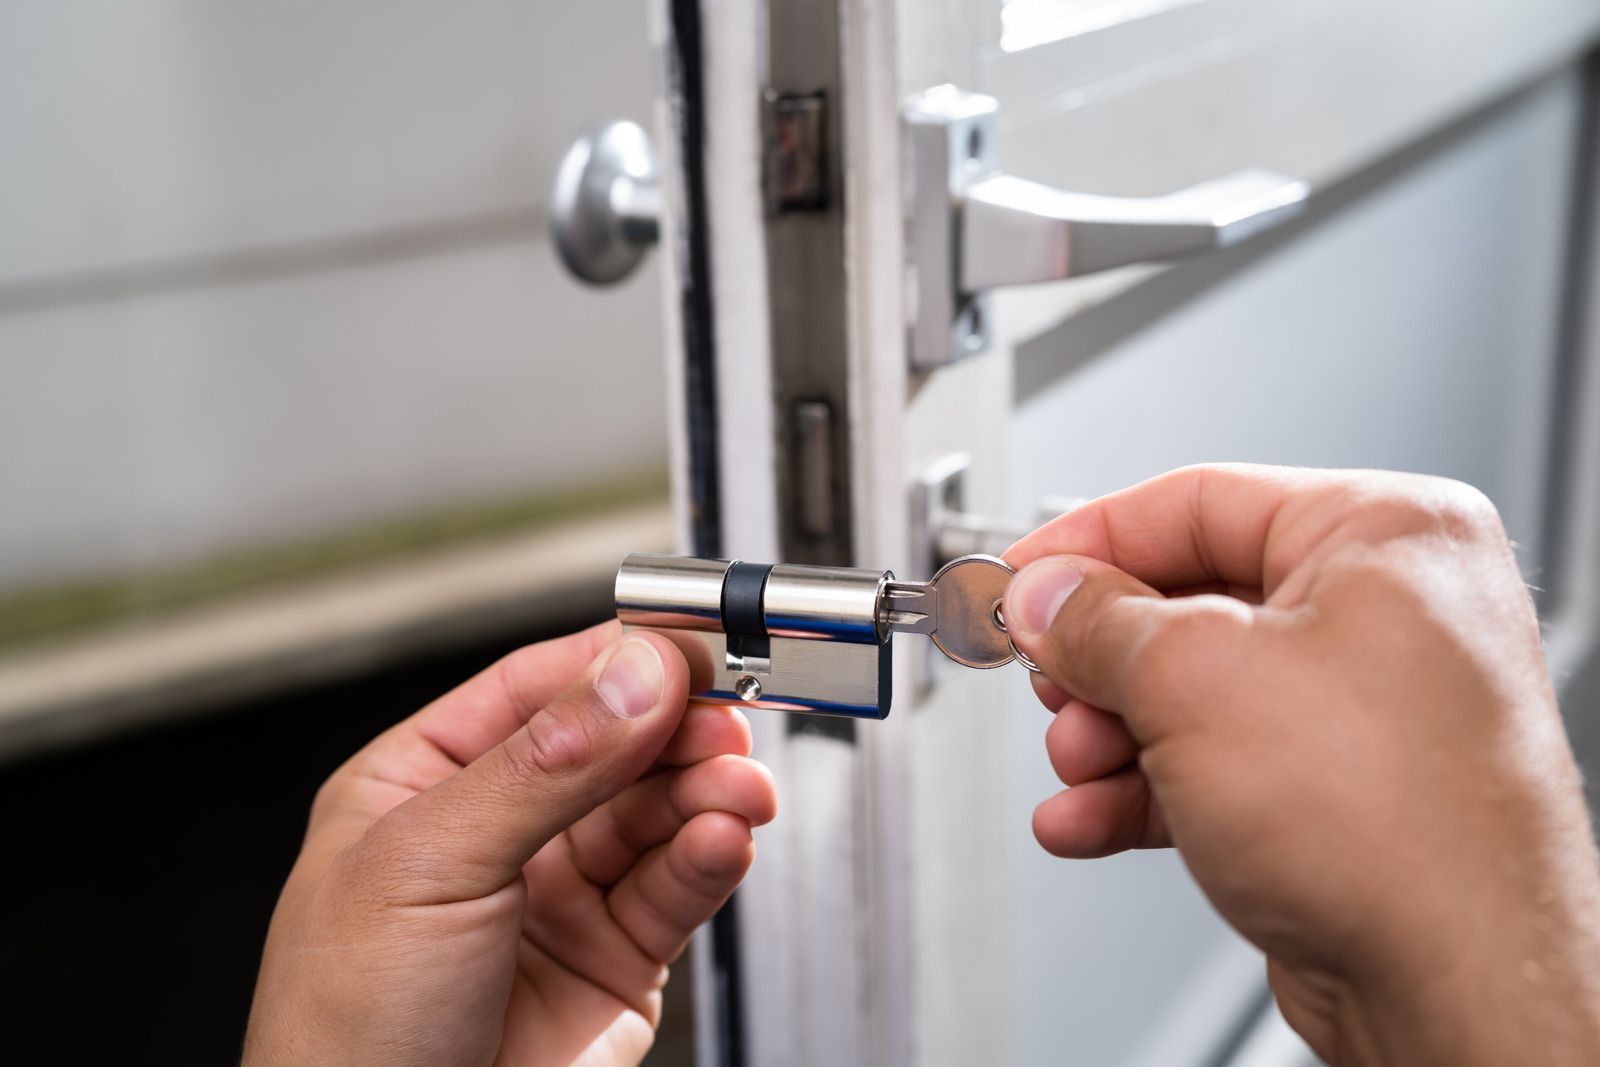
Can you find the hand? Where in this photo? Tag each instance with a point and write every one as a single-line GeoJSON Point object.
{"type": "Point", "coordinates": [504, 877]}
{"type": "Point", "coordinates": [1327, 690]}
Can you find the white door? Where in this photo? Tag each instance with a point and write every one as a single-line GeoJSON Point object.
{"type": "Point", "coordinates": [841, 331]}
{"type": "Point", "coordinates": [270, 274]}
{"type": "Point", "coordinates": [278, 303]}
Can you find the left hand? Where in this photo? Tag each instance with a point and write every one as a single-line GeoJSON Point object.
{"type": "Point", "coordinates": [504, 876]}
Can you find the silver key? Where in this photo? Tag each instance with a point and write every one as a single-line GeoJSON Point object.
{"type": "Point", "coordinates": [959, 610]}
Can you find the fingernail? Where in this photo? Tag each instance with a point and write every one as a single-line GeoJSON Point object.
{"type": "Point", "coordinates": [1037, 593]}
{"type": "Point", "coordinates": [630, 685]}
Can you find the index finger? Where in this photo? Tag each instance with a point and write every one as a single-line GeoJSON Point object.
{"type": "Point", "coordinates": [487, 708]}
{"type": "Point", "coordinates": [1194, 525]}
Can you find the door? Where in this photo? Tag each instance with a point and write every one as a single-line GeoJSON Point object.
{"type": "Point", "coordinates": [275, 276]}
{"type": "Point", "coordinates": [858, 369]}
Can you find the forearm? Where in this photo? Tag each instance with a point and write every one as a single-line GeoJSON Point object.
{"type": "Point", "coordinates": [1504, 987]}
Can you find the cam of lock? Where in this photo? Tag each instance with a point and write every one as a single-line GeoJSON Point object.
{"type": "Point", "coordinates": [793, 637]}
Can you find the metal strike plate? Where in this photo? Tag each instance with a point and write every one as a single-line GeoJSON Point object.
{"type": "Point", "coordinates": [950, 145]}
{"type": "Point", "coordinates": [797, 152]}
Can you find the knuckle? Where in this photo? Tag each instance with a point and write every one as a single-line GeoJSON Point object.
{"type": "Point", "coordinates": [1440, 506]}
{"type": "Point", "coordinates": [1094, 841]}
{"type": "Point", "coordinates": [1171, 641]}
{"type": "Point", "coordinates": [1371, 586]}
{"type": "Point", "coordinates": [377, 872]}
{"type": "Point", "coordinates": [1083, 631]}
{"type": "Point", "coordinates": [1202, 471]}
{"type": "Point", "coordinates": [1175, 654]}
{"type": "Point", "coordinates": [556, 740]}
{"type": "Point", "coordinates": [330, 797]}
{"type": "Point", "coordinates": [709, 875]}
{"type": "Point", "coordinates": [1466, 509]}
{"type": "Point", "coordinates": [712, 871]}
{"type": "Point", "coordinates": [519, 675]}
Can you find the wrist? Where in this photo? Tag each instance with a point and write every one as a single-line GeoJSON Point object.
{"type": "Point", "coordinates": [1509, 986]}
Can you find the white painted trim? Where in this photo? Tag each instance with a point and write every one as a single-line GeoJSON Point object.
{"type": "Point", "coordinates": [670, 249]}
{"type": "Point", "coordinates": [772, 954]}
{"type": "Point", "coordinates": [875, 340]}
{"type": "Point", "coordinates": [1573, 633]}
{"type": "Point", "coordinates": [734, 35]}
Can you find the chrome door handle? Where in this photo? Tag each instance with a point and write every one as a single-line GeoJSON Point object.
{"type": "Point", "coordinates": [973, 228]}
{"type": "Point", "coordinates": [605, 208]}
{"type": "Point", "coordinates": [1015, 231]}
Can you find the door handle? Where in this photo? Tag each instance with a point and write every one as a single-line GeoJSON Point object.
{"type": "Point", "coordinates": [1015, 231]}
{"type": "Point", "coordinates": [942, 528]}
{"type": "Point", "coordinates": [605, 207]}
{"type": "Point", "coordinates": [974, 229]}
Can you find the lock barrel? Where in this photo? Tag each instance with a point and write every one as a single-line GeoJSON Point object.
{"type": "Point", "coordinates": [825, 603]}
{"type": "Point", "coordinates": [675, 592]}
{"type": "Point", "coordinates": [786, 600]}
{"type": "Point", "coordinates": [788, 637]}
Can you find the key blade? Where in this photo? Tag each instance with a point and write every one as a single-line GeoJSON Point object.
{"type": "Point", "coordinates": [909, 608]}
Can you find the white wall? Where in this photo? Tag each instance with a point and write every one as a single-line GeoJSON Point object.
{"type": "Point", "coordinates": [273, 270]}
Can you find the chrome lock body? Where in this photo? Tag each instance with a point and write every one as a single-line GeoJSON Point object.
{"type": "Point", "coordinates": [803, 638]}
{"type": "Point", "coordinates": [781, 636]}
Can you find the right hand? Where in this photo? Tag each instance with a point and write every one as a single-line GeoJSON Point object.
{"type": "Point", "coordinates": [1327, 690]}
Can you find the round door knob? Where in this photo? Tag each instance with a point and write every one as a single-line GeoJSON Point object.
{"type": "Point", "coordinates": [606, 205]}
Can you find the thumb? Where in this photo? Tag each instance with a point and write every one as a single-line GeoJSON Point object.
{"type": "Point", "coordinates": [1115, 643]}
{"type": "Point", "coordinates": [470, 835]}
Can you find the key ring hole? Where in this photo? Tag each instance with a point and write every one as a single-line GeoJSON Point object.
{"type": "Point", "coordinates": [1022, 657]}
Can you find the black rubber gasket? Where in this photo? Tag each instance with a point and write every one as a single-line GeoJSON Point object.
{"type": "Point", "coordinates": [744, 587]}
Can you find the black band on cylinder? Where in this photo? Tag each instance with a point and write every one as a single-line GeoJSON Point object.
{"type": "Point", "coordinates": [743, 589]}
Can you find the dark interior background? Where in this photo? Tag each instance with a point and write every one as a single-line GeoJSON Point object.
{"type": "Point", "coordinates": [141, 871]}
